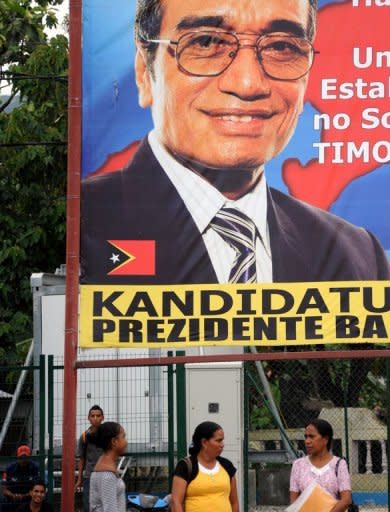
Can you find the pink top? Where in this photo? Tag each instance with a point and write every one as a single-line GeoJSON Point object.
{"type": "Point", "coordinates": [303, 472]}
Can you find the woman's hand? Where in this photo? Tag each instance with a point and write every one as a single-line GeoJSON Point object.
{"type": "Point", "coordinates": [344, 501]}
{"type": "Point", "coordinates": [293, 496]}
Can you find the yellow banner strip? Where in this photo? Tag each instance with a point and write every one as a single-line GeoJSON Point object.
{"type": "Point", "coordinates": [265, 315]}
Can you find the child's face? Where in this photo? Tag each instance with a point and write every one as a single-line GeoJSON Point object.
{"type": "Point", "coordinates": [95, 418]}
{"type": "Point", "coordinates": [120, 442]}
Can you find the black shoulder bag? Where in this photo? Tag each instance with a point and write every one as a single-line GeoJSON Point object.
{"type": "Point", "coordinates": [352, 507]}
{"type": "Point", "coordinates": [188, 461]}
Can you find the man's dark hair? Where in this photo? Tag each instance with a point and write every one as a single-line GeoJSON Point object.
{"type": "Point", "coordinates": [148, 19]}
{"type": "Point", "coordinates": [149, 15]}
{"type": "Point", "coordinates": [311, 26]}
{"type": "Point", "coordinates": [95, 408]}
{"type": "Point", "coordinates": [38, 481]}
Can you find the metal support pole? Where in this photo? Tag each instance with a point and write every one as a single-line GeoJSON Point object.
{"type": "Point", "coordinates": [42, 413]}
{"type": "Point", "coordinates": [181, 417]}
{"type": "Point", "coordinates": [155, 403]}
{"type": "Point", "coordinates": [246, 439]}
{"type": "Point", "coordinates": [272, 405]}
{"type": "Point", "coordinates": [171, 425]}
{"type": "Point", "coordinates": [72, 257]}
{"type": "Point", "coordinates": [346, 431]}
{"type": "Point", "coordinates": [50, 426]}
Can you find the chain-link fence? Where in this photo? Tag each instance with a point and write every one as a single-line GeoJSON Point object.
{"type": "Point", "coordinates": [141, 400]}
{"type": "Point", "coordinates": [150, 402]}
{"type": "Point", "coordinates": [18, 385]}
{"type": "Point", "coordinates": [20, 423]}
{"type": "Point", "coordinates": [350, 394]}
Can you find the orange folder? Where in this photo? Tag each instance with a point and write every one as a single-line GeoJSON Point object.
{"type": "Point", "coordinates": [313, 499]}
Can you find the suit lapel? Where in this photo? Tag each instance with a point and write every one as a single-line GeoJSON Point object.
{"type": "Point", "coordinates": [181, 253]}
{"type": "Point", "coordinates": [288, 256]}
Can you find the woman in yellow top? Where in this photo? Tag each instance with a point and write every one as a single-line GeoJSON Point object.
{"type": "Point", "coordinates": [205, 481]}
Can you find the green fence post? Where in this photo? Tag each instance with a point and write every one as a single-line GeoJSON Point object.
{"type": "Point", "coordinates": [42, 413]}
{"type": "Point", "coordinates": [171, 424]}
{"type": "Point", "coordinates": [50, 425]}
{"type": "Point", "coordinates": [245, 446]}
{"type": "Point", "coordinates": [346, 431]}
{"type": "Point", "coordinates": [181, 409]}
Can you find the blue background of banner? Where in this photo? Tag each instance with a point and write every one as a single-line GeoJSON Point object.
{"type": "Point", "coordinates": [112, 118]}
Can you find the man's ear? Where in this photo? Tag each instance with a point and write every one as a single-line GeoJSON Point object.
{"type": "Point", "coordinates": [302, 105]}
{"type": "Point", "coordinates": [143, 79]}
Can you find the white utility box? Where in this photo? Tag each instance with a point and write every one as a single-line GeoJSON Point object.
{"type": "Point", "coordinates": [215, 392]}
{"type": "Point", "coordinates": [136, 397]}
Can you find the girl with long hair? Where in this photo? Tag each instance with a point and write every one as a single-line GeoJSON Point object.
{"type": "Point", "coordinates": [107, 489]}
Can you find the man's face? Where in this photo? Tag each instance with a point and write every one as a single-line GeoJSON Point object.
{"type": "Point", "coordinates": [241, 118]}
{"type": "Point", "coordinates": [95, 418]}
{"type": "Point", "coordinates": [38, 493]}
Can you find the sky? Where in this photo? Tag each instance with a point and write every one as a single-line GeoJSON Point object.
{"type": "Point", "coordinates": [62, 10]}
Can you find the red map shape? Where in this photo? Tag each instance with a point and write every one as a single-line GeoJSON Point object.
{"type": "Point", "coordinates": [341, 28]}
{"type": "Point", "coordinates": [118, 160]}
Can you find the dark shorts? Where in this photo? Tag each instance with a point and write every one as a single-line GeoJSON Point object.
{"type": "Point", "coordinates": [86, 494]}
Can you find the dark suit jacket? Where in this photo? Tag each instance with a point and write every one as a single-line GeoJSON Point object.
{"type": "Point", "coordinates": [140, 203]}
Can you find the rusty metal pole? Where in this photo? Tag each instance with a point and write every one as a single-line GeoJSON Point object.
{"type": "Point", "coordinates": [72, 257]}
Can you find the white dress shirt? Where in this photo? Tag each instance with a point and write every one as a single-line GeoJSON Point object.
{"type": "Point", "coordinates": [203, 201]}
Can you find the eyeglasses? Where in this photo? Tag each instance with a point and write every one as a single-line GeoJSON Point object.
{"type": "Point", "coordinates": [210, 53]}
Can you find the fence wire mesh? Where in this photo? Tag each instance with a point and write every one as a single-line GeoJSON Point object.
{"type": "Point", "coordinates": [135, 397]}
{"type": "Point", "coordinates": [20, 426]}
{"type": "Point", "coordinates": [17, 405]}
{"type": "Point", "coordinates": [350, 394]}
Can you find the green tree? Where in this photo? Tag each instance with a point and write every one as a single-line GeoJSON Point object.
{"type": "Point", "coordinates": [32, 160]}
{"type": "Point", "coordinates": [306, 387]}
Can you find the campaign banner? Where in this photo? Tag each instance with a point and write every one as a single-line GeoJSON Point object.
{"type": "Point", "coordinates": [233, 144]}
{"type": "Point", "coordinates": [232, 315]}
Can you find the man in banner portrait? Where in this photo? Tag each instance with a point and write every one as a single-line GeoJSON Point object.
{"type": "Point", "coordinates": [225, 81]}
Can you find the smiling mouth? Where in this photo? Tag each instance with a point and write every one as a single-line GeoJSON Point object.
{"type": "Point", "coordinates": [238, 119]}
{"type": "Point", "coordinates": [237, 116]}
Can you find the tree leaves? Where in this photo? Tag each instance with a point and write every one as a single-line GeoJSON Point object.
{"type": "Point", "coordinates": [21, 25]}
{"type": "Point", "coordinates": [32, 177]}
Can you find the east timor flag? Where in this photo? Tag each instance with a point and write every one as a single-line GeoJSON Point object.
{"type": "Point", "coordinates": [135, 258]}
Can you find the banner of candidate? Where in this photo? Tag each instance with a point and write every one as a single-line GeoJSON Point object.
{"type": "Point", "coordinates": [229, 145]}
{"type": "Point", "coordinates": [234, 315]}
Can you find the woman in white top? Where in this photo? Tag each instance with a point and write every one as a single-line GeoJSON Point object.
{"type": "Point", "coordinates": [107, 490]}
{"type": "Point", "coordinates": [321, 466]}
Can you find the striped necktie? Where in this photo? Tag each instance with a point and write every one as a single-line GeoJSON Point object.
{"type": "Point", "coordinates": [240, 233]}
